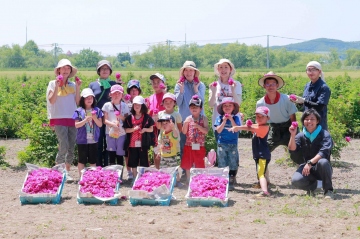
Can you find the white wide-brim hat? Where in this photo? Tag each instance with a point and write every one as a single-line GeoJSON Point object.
{"type": "Point", "coordinates": [216, 65]}
{"type": "Point", "coordinates": [191, 65]}
{"type": "Point", "coordinates": [65, 62]}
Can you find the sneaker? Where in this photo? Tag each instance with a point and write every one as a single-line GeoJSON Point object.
{"type": "Point", "coordinates": [69, 179]}
{"type": "Point", "coordinates": [130, 175]}
{"type": "Point", "coordinates": [179, 185]}
{"type": "Point", "coordinates": [329, 195]}
{"type": "Point", "coordinates": [263, 195]}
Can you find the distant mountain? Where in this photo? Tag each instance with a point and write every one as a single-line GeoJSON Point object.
{"type": "Point", "coordinates": [321, 45]}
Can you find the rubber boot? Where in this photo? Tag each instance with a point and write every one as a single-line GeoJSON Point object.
{"type": "Point", "coordinates": [232, 173]}
{"type": "Point", "coordinates": [232, 183]}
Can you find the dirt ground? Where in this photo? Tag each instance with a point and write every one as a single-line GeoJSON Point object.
{"type": "Point", "coordinates": [287, 214]}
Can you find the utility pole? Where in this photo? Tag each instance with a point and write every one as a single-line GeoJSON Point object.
{"type": "Point", "coordinates": [168, 41]}
{"type": "Point", "coordinates": [267, 53]}
{"type": "Point", "coordinates": [55, 53]}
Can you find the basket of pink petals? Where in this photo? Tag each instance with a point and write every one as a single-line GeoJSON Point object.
{"type": "Point", "coordinates": [153, 186]}
{"type": "Point", "coordinates": [43, 185]}
{"type": "Point", "coordinates": [208, 187]}
{"type": "Point", "coordinates": [100, 185]}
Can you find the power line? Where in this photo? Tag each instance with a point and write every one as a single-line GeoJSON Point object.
{"type": "Point", "coordinates": [164, 42]}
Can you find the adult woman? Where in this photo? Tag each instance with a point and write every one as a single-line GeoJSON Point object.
{"type": "Point", "coordinates": [224, 69]}
{"type": "Point", "coordinates": [188, 86]}
{"type": "Point", "coordinates": [317, 91]}
{"type": "Point", "coordinates": [62, 97]}
{"type": "Point", "coordinates": [101, 88]}
{"type": "Point", "coordinates": [315, 144]}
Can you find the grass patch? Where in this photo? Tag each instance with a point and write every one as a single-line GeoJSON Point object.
{"type": "Point", "coordinates": [259, 221]}
{"type": "Point", "coordinates": [287, 210]}
{"type": "Point", "coordinates": [3, 164]}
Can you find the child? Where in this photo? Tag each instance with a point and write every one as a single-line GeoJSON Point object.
{"type": "Point", "coordinates": [227, 150]}
{"type": "Point", "coordinates": [88, 121]}
{"type": "Point", "coordinates": [168, 143]}
{"type": "Point", "coordinates": [138, 127]}
{"type": "Point", "coordinates": [225, 87]}
{"type": "Point", "coordinates": [195, 128]}
{"type": "Point", "coordinates": [154, 103]}
{"type": "Point", "coordinates": [261, 151]}
{"type": "Point", "coordinates": [169, 102]}
{"type": "Point", "coordinates": [133, 89]}
{"type": "Point", "coordinates": [114, 114]}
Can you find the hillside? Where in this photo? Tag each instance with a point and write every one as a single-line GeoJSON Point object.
{"type": "Point", "coordinates": [321, 45]}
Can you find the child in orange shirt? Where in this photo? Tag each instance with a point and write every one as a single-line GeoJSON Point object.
{"type": "Point", "coordinates": [261, 151]}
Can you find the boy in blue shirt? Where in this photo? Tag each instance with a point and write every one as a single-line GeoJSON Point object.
{"type": "Point", "coordinates": [227, 150]}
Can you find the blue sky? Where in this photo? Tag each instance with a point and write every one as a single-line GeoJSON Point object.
{"type": "Point", "coordinates": [110, 26]}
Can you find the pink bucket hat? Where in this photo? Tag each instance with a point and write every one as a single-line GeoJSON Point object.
{"type": "Point", "coordinates": [263, 110]}
{"type": "Point", "coordinates": [228, 100]}
{"type": "Point", "coordinates": [115, 88]}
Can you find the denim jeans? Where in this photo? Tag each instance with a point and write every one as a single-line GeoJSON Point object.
{"type": "Point", "coordinates": [228, 155]}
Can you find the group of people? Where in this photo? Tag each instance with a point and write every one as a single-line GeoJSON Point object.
{"type": "Point", "coordinates": [111, 127]}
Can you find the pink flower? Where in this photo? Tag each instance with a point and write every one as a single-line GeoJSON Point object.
{"type": "Point", "coordinates": [231, 81]}
{"type": "Point", "coordinates": [294, 124]}
{"type": "Point", "coordinates": [44, 125]}
{"type": "Point", "coordinates": [347, 138]}
{"type": "Point", "coordinates": [43, 180]}
{"type": "Point", "coordinates": [77, 79]}
{"type": "Point", "coordinates": [23, 85]}
{"type": "Point", "coordinates": [249, 123]}
{"type": "Point", "coordinates": [93, 112]}
{"type": "Point", "coordinates": [214, 84]}
{"type": "Point", "coordinates": [117, 113]}
{"type": "Point", "coordinates": [181, 79]}
{"type": "Point", "coordinates": [227, 115]}
{"type": "Point", "coordinates": [293, 97]}
{"type": "Point", "coordinates": [99, 182]}
{"type": "Point", "coordinates": [208, 186]}
{"type": "Point", "coordinates": [118, 75]}
{"type": "Point", "coordinates": [128, 97]}
{"type": "Point", "coordinates": [59, 77]}
{"type": "Point", "coordinates": [195, 97]}
{"type": "Point", "coordinates": [162, 86]}
{"type": "Point", "coordinates": [152, 180]}
{"type": "Point", "coordinates": [196, 80]}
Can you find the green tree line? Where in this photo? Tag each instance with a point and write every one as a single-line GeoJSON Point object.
{"type": "Point", "coordinates": [170, 56]}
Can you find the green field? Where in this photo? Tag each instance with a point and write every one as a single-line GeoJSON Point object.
{"type": "Point", "coordinates": [174, 74]}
